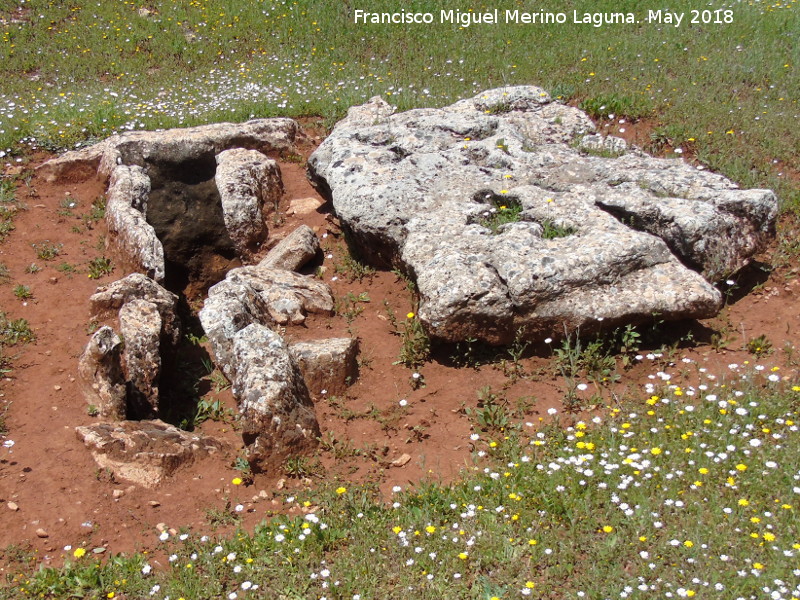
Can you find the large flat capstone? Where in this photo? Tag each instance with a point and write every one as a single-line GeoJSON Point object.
{"type": "Point", "coordinates": [511, 214]}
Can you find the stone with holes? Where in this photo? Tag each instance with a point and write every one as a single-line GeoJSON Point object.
{"type": "Point", "coordinates": [511, 214]}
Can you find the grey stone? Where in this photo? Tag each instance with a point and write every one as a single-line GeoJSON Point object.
{"type": "Point", "coordinates": [144, 452]}
{"type": "Point", "coordinates": [140, 325]}
{"type": "Point", "coordinates": [176, 146]}
{"type": "Point", "coordinates": [277, 415]}
{"type": "Point", "coordinates": [126, 209]}
{"type": "Point", "coordinates": [328, 364]}
{"type": "Point", "coordinates": [247, 181]}
{"type": "Point", "coordinates": [100, 371]}
{"type": "Point", "coordinates": [288, 296]}
{"type": "Point", "coordinates": [606, 235]}
{"type": "Point", "coordinates": [292, 252]}
{"type": "Point", "coordinates": [136, 286]}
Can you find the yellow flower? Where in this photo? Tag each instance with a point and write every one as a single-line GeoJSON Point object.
{"type": "Point", "coordinates": [770, 537]}
{"type": "Point", "coordinates": [430, 529]}
{"type": "Point", "coordinates": [410, 315]}
{"type": "Point", "coordinates": [607, 529]}
{"type": "Point", "coordinates": [758, 566]}
{"type": "Point", "coordinates": [741, 467]}
{"type": "Point", "coordinates": [690, 593]}
{"type": "Point", "coordinates": [655, 451]}
{"type": "Point", "coordinates": [688, 543]}
{"type": "Point", "coordinates": [236, 481]}
{"type": "Point", "coordinates": [341, 490]}
{"type": "Point", "coordinates": [79, 552]}
{"type": "Point", "coordinates": [463, 556]}
{"type": "Point", "coordinates": [397, 529]}
{"type": "Point", "coordinates": [744, 502]}
{"type": "Point", "coordinates": [110, 595]}
{"type": "Point", "coordinates": [530, 585]}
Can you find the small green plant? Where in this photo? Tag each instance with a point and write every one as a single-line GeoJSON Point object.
{"type": "Point", "coordinates": [92, 410]}
{"type": "Point", "coordinates": [491, 413]}
{"type": "Point", "coordinates": [33, 268]}
{"type": "Point", "coordinates": [219, 517]}
{"type": "Point", "coordinates": [15, 331]}
{"type": "Point", "coordinates": [552, 230]}
{"type": "Point", "coordinates": [66, 205]}
{"type": "Point", "coordinates": [499, 108]}
{"type": "Point", "coordinates": [352, 268]}
{"type": "Point", "coordinates": [759, 346]}
{"type": "Point", "coordinates": [96, 213]}
{"type": "Point", "coordinates": [416, 345]}
{"type": "Point", "coordinates": [502, 209]}
{"type": "Point", "coordinates": [349, 305]}
{"type": "Point", "coordinates": [47, 250]}
{"type": "Point", "coordinates": [299, 467]}
{"type": "Point", "coordinates": [23, 292]}
{"type": "Point", "coordinates": [606, 105]}
{"type": "Point", "coordinates": [67, 268]}
{"type": "Point", "coordinates": [99, 267]}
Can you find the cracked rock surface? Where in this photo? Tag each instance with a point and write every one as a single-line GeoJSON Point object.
{"type": "Point", "coordinates": [510, 213]}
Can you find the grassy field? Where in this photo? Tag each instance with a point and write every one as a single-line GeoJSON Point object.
{"type": "Point", "coordinates": [689, 488]}
{"type": "Point", "coordinates": [692, 493]}
{"type": "Point", "coordinates": [78, 70]}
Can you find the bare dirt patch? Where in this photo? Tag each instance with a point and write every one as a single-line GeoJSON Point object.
{"type": "Point", "coordinates": [390, 427]}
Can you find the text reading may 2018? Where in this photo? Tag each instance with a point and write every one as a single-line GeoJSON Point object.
{"type": "Point", "coordinates": [543, 17]}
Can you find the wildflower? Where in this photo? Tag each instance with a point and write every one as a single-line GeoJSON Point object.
{"type": "Point", "coordinates": [410, 315]}
{"type": "Point", "coordinates": [236, 481]}
{"type": "Point", "coordinates": [607, 529]}
{"type": "Point", "coordinates": [79, 552]}
{"type": "Point", "coordinates": [341, 490]}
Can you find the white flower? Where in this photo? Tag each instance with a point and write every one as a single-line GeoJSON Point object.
{"type": "Point", "coordinates": [551, 411]}
{"type": "Point", "coordinates": [146, 569]}
{"type": "Point", "coordinates": [403, 402]}
{"type": "Point", "coordinates": [246, 585]}
{"type": "Point", "coordinates": [548, 340]}
{"type": "Point", "coordinates": [164, 536]}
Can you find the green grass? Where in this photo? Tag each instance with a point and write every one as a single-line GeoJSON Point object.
{"type": "Point", "coordinates": [687, 489]}
{"type": "Point", "coordinates": [80, 70]}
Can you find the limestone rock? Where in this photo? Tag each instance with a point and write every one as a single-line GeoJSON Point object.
{"type": "Point", "coordinates": [101, 374]}
{"type": "Point", "coordinates": [136, 286]}
{"type": "Point", "coordinates": [292, 252]}
{"type": "Point", "coordinates": [144, 452]}
{"type": "Point", "coordinates": [229, 308]}
{"type": "Point", "coordinates": [140, 325]}
{"type": "Point", "coordinates": [277, 414]}
{"type": "Point", "coordinates": [288, 296]}
{"type": "Point", "coordinates": [327, 364]}
{"type": "Point", "coordinates": [193, 144]}
{"type": "Point", "coordinates": [510, 214]}
{"type": "Point", "coordinates": [126, 210]}
{"type": "Point", "coordinates": [247, 181]}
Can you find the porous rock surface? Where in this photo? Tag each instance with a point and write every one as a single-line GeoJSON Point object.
{"type": "Point", "coordinates": [293, 251]}
{"type": "Point", "coordinates": [100, 371]}
{"type": "Point", "coordinates": [604, 235]}
{"type": "Point", "coordinates": [328, 366]}
{"type": "Point", "coordinates": [144, 452]}
{"type": "Point", "coordinates": [278, 417]}
{"type": "Point", "coordinates": [183, 203]}
{"type": "Point", "coordinates": [246, 180]}
{"type": "Point", "coordinates": [151, 330]}
{"type": "Point", "coordinates": [172, 146]}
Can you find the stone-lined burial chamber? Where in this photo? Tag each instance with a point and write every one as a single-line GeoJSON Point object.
{"type": "Point", "coordinates": [185, 208]}
{"type": "Point", "coordinates": [506, 209]}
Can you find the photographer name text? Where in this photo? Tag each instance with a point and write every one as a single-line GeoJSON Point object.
{"type": "Point", "coordinates": [518, 17]}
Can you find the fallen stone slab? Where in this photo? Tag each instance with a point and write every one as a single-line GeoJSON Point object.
{"type": "Point", "coordinates": [144, 452]}
{"type": "Point", "coordinates": [511, 215]}
{"type": "Point", "coordinates": [328, 365]}
{"type": "Point", "coordinates": [293, 251]}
